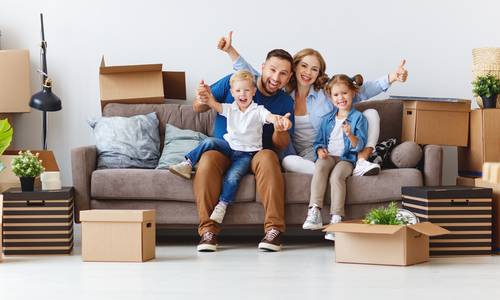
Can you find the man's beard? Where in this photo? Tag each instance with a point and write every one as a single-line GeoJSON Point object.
{"type": "Point", "coordinates": [264, 86]}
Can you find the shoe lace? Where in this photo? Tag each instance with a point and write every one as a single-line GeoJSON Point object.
{"type": "Point", "coordinates": [272, 234]}
{"type": "Point", "coordinates": [313, 215]}
{"type": "Point", "coordinates": [208, 235]}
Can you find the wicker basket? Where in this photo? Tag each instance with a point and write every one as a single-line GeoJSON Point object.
{"type": "Point", "coordinates": [486, 61]}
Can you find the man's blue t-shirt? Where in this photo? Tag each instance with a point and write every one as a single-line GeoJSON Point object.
{"type": "Point", "coordinates": [279, 104]}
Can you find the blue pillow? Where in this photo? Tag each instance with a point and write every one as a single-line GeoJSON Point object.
{"type": "Point", "coordinates": [122, 142]}
{"type": "Point", "coordinates": [178, 142]}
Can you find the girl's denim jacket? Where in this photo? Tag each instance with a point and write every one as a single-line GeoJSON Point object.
{"type": "Point", "coordinates": [359, 128]}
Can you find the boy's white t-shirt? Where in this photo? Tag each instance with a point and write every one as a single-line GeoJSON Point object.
{"type": "Point", "coordinates": [244, 129]}
{"type": "Point", "coordinates": [336, 140]}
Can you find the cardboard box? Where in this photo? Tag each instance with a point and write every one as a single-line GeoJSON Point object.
{"type": "Point", "coordinates": [139, 84]}
{"type": "Point", "coordinates": [484, 145]}
{"type": "Point", "coordinates": [38, 222]}
{"type": "Point", "coordinates": [466, 181]}
{"type": "Point", "coordinates": [436, 122]}
{"type": "Point", "coordinates": [496, 211]}
{"type": "Point", "coordinates": [118, 235]}
{"type": "Point", "coordinates": [9, 180]}
{"type": "Point", "coordinates": [464, 211]}
{"type": "Point", "coordinates": [15, 90]}
{"type": "Point", "coordinates": [398, 245]}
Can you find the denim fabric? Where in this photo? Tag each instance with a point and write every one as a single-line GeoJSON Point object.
{"type": "Point", "coordinates": [240, 165]}
{"type": "Point", "coordinates": [359, 127]}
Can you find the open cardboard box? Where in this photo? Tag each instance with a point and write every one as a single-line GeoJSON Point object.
{"type": "Point", "coordinates": [436, 122]}
{"type": "Point", "coordinates": [399, 245]}
{"type": "Point", "coordinates": [139, 84]}
{"type": "Point", "coordinates": [9, 180]}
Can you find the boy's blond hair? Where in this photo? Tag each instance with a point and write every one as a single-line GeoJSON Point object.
{"type": "Point", "coordinates": [242, 75]}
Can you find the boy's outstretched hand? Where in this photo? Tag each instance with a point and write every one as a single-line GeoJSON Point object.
{"type": "Point", "coordinates": [225, 42]}
{"type": "Point", "coordinates": [322, 153]}
{"type": "Point", "coordinates": [283, 123]}
{"type": "Point", "coordinates": [400, 74]}
{"type": "Point", "coordinates": [203, 93]}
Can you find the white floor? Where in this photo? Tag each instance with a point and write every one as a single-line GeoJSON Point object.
{"type": "Point", "coordinates": [304, 270]}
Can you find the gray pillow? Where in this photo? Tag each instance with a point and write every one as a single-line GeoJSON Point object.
{"type": "Point", "coordinates": [178, 142]}
{"type": "Point", "coordinates": [122, 142]}
{"type": "Point", "coordinates": [406, 155]}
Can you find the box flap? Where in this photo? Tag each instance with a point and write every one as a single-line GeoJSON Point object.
{"type": "Point", "coordinates": [117, 215]}
{"type": "Point", "coordinates": [103, 69]}
{"type": "Point", "coordinates": [429, 229]}
{"type": "Point", "coordinates": [363, 228]}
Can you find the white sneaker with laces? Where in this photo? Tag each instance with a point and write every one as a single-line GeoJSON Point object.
{"type": "Point", "coordinates": [182, 169]}
{"type": "Point", "coordinates": [313, 220]}
{"type": "Point", "coordinates": [218, 213]}
{"type": "Point", "coordinates": [365, 168]}
{"type": "Point", "coordinates": [331, 235]}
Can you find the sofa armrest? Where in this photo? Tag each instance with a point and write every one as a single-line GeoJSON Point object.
{"type": "Point", "coordinates": [83, 163]}
{"type": "Point", "coordinates": [433, 165]}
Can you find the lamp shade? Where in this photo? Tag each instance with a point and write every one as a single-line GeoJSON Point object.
{"type": "Point", "coordinates": [45, 100]}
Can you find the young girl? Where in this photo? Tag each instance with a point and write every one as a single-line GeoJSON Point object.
{"type": "Point", "coordinates": [343, 133]}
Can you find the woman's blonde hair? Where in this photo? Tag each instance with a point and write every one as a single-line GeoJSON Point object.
{"type": "Point", "coordinates": [322, 78]}
{"type": "Point", "coordinates": [242, 75]}
{"type": "Point", "coordinates": [353, 83]}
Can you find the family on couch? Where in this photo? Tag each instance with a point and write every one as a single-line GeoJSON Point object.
{"type": "Point", "coordinates": [323, 124]}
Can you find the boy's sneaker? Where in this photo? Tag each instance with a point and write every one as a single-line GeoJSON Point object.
{"type": "Point", "coordinates": [331, 235]}
{"type": "Point", "coordinates": [365, 168]}
{"type": "Point", "coordinates": [313, 220]}
{"type": "Point", "coordinates": [218, 213]}
{"type": "Point", "coordinates": [182, 169]}
{"type": "Point", "coordinates": [271, 241]}
{"type": "Point", "coordinates": [208, 242]}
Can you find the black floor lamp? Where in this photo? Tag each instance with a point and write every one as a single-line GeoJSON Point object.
{"type": "Point", "coordinates": [45, 100]}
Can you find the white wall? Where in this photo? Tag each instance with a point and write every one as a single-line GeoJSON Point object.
{"type": "Point", "coordinates": [369, 37]}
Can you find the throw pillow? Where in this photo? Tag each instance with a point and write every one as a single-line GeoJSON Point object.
{"type": "Point", "coordinates": [178, 142]}
{"type": "Point", "coordinates": [406, 155]}
{"type": "Point", "coordinates": [382, 151]}
{"type": "Point", "coordinates": [122, 142]}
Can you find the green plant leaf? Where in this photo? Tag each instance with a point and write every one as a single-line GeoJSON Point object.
{"type": "Point", "coordinates": [486, 86]}
{"type": "Point", "coordinates": [6, 133]}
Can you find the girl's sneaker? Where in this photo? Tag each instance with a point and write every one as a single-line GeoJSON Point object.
{"type": "Point", "coordinates": [219, 212]}
{"type": "Point", "coordinates": [365, 168]}
{"type": "Point", "coordinates": [313, 220]}
{"type": "Point", "coordinates": [331, 235]}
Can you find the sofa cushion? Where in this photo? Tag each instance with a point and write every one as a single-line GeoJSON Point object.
{"type": "Point", "coordinates": [123, 142]}
{"type": "Point", "coordinates": [178, 142]}
{"type": "Point", "coordinates": [140, 184]}
{"type": "Point", "coordinates": [360, 189]}
{"type": "Point", "coordinates": [406, 155]}
{"type": "Point", "coordinates": [181, 116]}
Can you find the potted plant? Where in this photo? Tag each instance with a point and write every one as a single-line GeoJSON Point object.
{"type": "Point", "coordinates": [5, 137]}
{"type": "Point", "coordinates": [27, 167]}
{"type": "Point", "coordinates": [487, 87]}
{"type": "Point", "coordinates": [391, 215]}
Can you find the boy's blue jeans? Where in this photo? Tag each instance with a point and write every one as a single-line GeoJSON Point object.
{"type": "Point", "coordinates": [240, 165]}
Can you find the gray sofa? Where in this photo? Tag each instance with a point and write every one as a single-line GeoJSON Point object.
{"type": "Point", "coordinates": [173, 198]}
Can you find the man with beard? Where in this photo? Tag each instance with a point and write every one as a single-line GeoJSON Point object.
{"type": "Point", "coordinates": [276, 72]}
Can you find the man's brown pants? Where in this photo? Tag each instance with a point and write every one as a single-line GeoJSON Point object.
{"type": "Point", "coordinates": [269, 181]}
